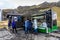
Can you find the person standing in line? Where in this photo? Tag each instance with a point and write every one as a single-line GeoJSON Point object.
{"type": "Point", "coordinates": [28, 25]}
{"type": "Point", "coordinates": [14, 26]}
{"type": "Point", "coordinates": [9, 22]}
{"type": "Point", "coordinates": [35, 26]}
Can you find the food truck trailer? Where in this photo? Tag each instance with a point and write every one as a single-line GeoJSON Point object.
{"type": "Point", "coordinates": [45, 22]}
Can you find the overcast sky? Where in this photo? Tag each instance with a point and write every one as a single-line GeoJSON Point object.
{"type": "Point", "coordinates": [15, 3]}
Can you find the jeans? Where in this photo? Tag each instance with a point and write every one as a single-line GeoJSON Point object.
{"type": "Point", "coordinates": [35, 30]}
{"type": "Point", "coordinates": [28, 30]}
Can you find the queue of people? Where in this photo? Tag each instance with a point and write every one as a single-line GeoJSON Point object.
{"type": "Point", "coordinates": [27, 25]}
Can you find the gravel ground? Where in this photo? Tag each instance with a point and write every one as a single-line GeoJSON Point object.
{"type": "Point", "coordinates": [6, 35]}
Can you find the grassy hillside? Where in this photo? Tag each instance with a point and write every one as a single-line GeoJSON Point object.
{"type": "Point", "coordinates": [57, 10]}
{"type": "Point", "coordinates": [4, 24]}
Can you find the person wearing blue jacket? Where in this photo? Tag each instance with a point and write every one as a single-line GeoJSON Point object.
{"type": "Point", "coordinates": [28, 26]}
{"type": "Point", "coordinates": [14, 26]}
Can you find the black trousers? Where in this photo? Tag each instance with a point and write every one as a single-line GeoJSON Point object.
{"type": "Point", "coordinates": [14, 30]}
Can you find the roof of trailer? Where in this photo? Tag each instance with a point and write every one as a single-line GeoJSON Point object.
{"type": "Point", "coordinates": [12, 14]}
